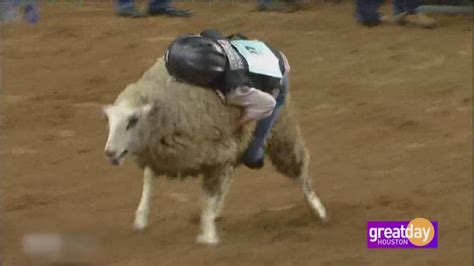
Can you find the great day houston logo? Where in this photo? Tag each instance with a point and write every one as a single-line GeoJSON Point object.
{"type": "Point", "coordinates": [417, 233]}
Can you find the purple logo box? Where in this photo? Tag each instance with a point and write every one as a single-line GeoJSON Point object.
{"type": "Point", "coordinates": [393, 234]}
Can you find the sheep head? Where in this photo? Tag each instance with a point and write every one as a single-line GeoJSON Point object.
{"type": "Point", "coordinates": [124, 124]}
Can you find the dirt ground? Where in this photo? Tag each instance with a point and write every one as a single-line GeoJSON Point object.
{"type": "Point", "coordinates": [385, 112]}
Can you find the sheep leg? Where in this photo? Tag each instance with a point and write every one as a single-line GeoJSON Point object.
{"type": "Point", "coordinates": [225, 184]}
{"type": "Point", "coordinates": [208, 227]}
{"type": "Point", "coordinates": [214, 182]}
{"type": "Point", "coordinates": [312, 198]}
{"type": "Point", "coordinates": [296, 167]}
{"type": "Point", "coordinates": [143, 209]}
{"type": "Point", "coordinates": [288, 154]}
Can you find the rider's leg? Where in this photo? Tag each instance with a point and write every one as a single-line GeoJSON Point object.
{"type": "Point", "coordinates": [253, 156]}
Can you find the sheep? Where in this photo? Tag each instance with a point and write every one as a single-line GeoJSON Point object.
{"type": "Point", "coordinates": [180, 130]}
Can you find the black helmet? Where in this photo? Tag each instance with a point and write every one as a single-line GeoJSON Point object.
{"type": "Point", "coordinates": [195, 59]}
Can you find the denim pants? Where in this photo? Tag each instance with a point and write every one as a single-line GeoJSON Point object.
{"type": "Point", "coordinates": [265, 2]}
{"type": "Point", "coordinates": [10, 11]}
{"type": "Point", "coordinates": [152, 4]}
{"type": "Point", "coordinates": [367, 10]}
{"type": "Point", "coordinates": [409, 6]}
{"type": "Point", "coordinates": [256, 150]}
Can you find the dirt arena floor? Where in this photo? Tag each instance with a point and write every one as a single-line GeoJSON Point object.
{"type": "Point", "coordinates": [385, 112]}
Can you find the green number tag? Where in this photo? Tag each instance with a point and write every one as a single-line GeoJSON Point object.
{"type": "Point", "coordinates": [259, 57]}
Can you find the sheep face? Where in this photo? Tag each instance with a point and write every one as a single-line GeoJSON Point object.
{"type": "Point", "coordinates": [124, 124]}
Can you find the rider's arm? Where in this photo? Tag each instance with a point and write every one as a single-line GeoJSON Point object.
{"type": "Point", "coordinates": [257, 104]}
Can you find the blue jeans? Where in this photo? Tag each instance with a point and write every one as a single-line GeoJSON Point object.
{"type": "Point", "coordinates": [256, 150]}
{"type": "Point", "coordinates": [409, 6]}
{"type": "Point", "coordinates": [152, 4]}
{"type": "Point", "coordinates": [367, 10]}
{"type": "Point", "coordinates": [265, 2]}
{"type": "Point", "coordinates": [10, 10]}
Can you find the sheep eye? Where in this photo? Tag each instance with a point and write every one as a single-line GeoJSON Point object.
{"type": "Point", "coordinates": [132, 122]}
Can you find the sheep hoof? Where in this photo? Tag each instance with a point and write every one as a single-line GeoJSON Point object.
{"type": "Point", "coordinates": [207, 240]}
{"type": "Point", "coordinates": [324, 220]}
{"type": "Point", "coordinates": [140, 224]}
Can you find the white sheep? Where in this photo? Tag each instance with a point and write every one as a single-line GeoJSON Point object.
{"type": "Point", "coordinates": [180, 130]}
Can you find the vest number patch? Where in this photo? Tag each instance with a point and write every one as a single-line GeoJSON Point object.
{"type": "Point", "coordinates": [259, 57]}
